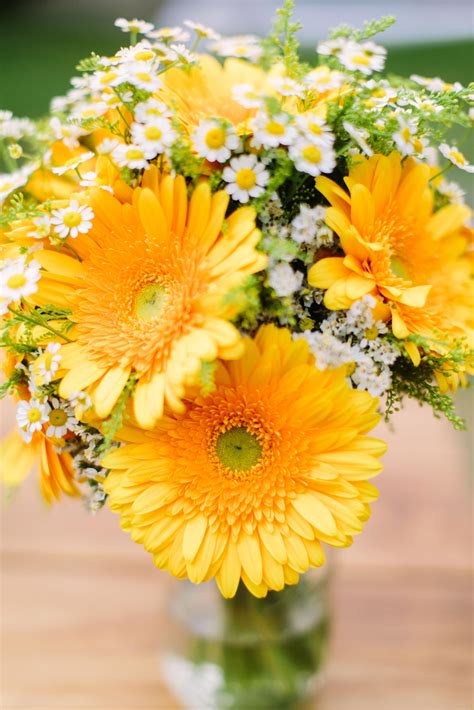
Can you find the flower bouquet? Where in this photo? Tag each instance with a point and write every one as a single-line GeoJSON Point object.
{"type": "Point", "coordinates": [219, 269]}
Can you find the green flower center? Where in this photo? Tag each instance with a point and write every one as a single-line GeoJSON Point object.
{"type": "Point", "coordinates": [238, 449]}
{"type": "Point", "coordinates": [150, 301]}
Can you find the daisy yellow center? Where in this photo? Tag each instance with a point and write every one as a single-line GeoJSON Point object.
{"type": "Point", "coordinates": [150, 301]}
{"type": "Point", "coordinates": [215, 138]}
{"type": "Point", "coordinates": [57, 417]}
{"type": "Point", "coordinates": [315, 128]}
{"type": "Point", "coordinates": [34, 415]}
{"type": "Point", "coordinates": [144, 55]}
{"type": "Point", "coordinates": [16, 281]}
{"type": "Point", "coordinates": [246, 178]}
{"type": "Point", "coordinates": [312, 154]}
{"type": "Point", "coordinates": [238, 450]}
{"type": "Point", "coordinates": [134, 154]}
{"type": "Point", "coordinates": [275, 128]}
{"type": "Point", "coordinates": [379, 93]}
{"type": "Point", "coordinates": [459, 157]}
{"type": "Point", "coordinates": [72, 219]}
{"type": "Point", "coordinates": [361, 59]}
{"type": "Point", "coordinates": [143, 76]}
{"type": "Point", "coordinates": [48, 361]}
{"type": "Point", "coordinates": [153, 133]}
{"type": "Point", "coordinates": [371, 333]}
{"type": "Point", "coordinates": [406, 134]}
{"type": "Point", "coordinates": [108, 77]}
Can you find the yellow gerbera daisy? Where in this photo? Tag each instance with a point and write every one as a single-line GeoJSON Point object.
{"type": "Point", "coordinates": [56, 472]}
{"type": "Point", "coordinates": [148, 296]}
{"type": "Point", "coordinates": [249, 481]}
{"type": "Point", "coordinates": [396, 247]}
{"type": "Point", "coordinates": [207, 90]}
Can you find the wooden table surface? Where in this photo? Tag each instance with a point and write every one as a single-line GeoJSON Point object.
{"type": "Point", "coordinates": [81, 604]}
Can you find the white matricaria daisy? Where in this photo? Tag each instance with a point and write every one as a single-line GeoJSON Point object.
{"type": "Point", "coordinates": [107, 146]}
{"type": "Point", "coordinates": [42, 227]}
{"type": "Point", "coordinates": [435, 84]}
{"type": "Point", "coordinates": [154, 136]}
{"type": "Point", "coordinates": [81, 402]}
{"type": "Point", "coordinates": [130, 155]}
{"type": "Point", "coordinates": [9, 182]}
{"type": "Point", "coordinates": [322, 79]}
{"type": "Point", "coordinates": [141, 52]}
{"type": "Point", "coordinates": [202, 30]}
{"type": "Point", "coordinates": [60, 419]}
{"type": "Point", "coordinates": [332, 47]}
{"type": "Point", "coordinates": [72, 163]}
{"type": "Point", "coordinates": [133, 26]}
{"type": "Point", "coordinates": [315, 129]}
{"type": "Point", "coordinates": [18, 278]}
{"type": "Point", "coordinates": [142, 75]}
{"type": "Point", "coordinates": [359, 136]}
{"type": "Point", "coordinates": [68, 134]}
{"type": "Point", "coordinates": [247, 96]}
{"type": "Point", "coordinates": [215, 140]}
{"type": "Point", "coordinates": [284, 280]}
{"type": "Point", "coordinates": [30, 416]}
{"type": "Point", "coordinates": [109, 78]}
{"type": "Point", "coordinates": [367, 57]}
{"type": "Point", "coordinates": [272, 131]}
{"type": "Point", "coordinates": [169, 34]}
{"type": "Point", "coordinates": [288, 87]}
{"type": "Point", "coordinates": [241, 46]}
{"type": "Point", "coordinates": [72, 220]}
{"type": "Point", "coordinates": [92, 179]}
{"type": "Point", "coordinates": [381, 94]}
{"type": "Point", "coordinates": [452, 191]}
{"type": "Point", "coordinates": [179, 52]}
{"type": "Point", "coordinates": [456, 157]}
{"type": "Point", "coordinates": [47, 364]}
{"type": "Point", "coordinates": [86, 110]}
{"type": "Point", "coordinates": [150, 109]}
{"type": "Point", "coordinates": [246, 178]}
{"type": "Point", "coordinates": [425, 104]}
{"type": "Point", "coordinates": [312, 159]}
{"type": "Point", "coordinates": [407, 140]}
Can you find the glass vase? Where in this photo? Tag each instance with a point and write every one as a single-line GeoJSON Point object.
{"type": "Point", "coordinates": [246, 653]}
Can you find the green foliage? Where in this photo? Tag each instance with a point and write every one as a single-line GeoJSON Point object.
{"type": "Point", "coordinates": [184, 161]}
{"type": "Point", "coordinates": [113, 424]}
{"type": "Point", "coordinates": [418, 383]}
{"type": "Point", "coordinates": [371, 28]}
{"type": "Point", "coordinates": [17, 377]}
{"type": "Point", "coordinates": [32, 318]}
{"type": "Point", "coordinates": [19, 207]}
{"type": "Point", "coordinates": [282, 45]}
{"type": "Point", "coordinates": [207, 377]}
{"type": "Point", "coordinates": [90, 64]}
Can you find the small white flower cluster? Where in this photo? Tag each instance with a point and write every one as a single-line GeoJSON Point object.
{"type": "Point", "coordinates": [284, 280]}
{"type": "Point", "coordinates": [365, 57]}
{"type": "Point", "coordinates": [355, 339]}
{"type": "Point", "coordinates": [308, 227]}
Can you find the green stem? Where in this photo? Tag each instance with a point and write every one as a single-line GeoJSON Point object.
{"type": "Point", "coordinates": [39, 323]}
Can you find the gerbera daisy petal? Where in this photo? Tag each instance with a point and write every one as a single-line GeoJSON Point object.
{"type": "Point", "coordinates": [253, 490]}
{"type": "Point", "coordinates": [151, 273]}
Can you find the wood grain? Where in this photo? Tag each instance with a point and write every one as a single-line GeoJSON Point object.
{"type": "Point", "coordinates": [82, 606]}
